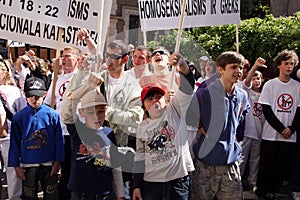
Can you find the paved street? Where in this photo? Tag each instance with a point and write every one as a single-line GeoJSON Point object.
{"type": "Point", "coordinates": [248, 195]}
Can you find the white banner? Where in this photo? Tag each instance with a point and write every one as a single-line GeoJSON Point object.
{"type": "Point", "coordinates": [37, 21]}
{"type": "Point", "coordinates": [165, 14]}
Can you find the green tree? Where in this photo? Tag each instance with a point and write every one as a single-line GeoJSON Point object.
{"type": "Point", "coordinates": [257, 38]}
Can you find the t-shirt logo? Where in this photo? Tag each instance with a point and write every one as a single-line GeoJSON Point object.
{"type": "Point", "coordinates": [62, 88]}
{"type": "Point", "coordinates": [39, 138]}
{"type": "Point", "coordinates": [100, 154]}
{"type": "Point", "coordinates": [161, 147]}
{"type": "Point", "coordinates": [257, 109]}
{"type": "Point", "coordinates": [285, 101]}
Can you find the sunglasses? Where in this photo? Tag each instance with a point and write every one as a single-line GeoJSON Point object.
{"type": "Point", "coordinates": [114, 56]}
{"type": "Point", "coordinates": [160, 52]}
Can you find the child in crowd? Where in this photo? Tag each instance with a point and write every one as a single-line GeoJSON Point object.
{"type": "Point", "coordinates": [36, 143]}
{"type": "Point", "coordinates": [281, 107]}
{"type": "Point", "coordinates": [253, 126]}
{"type": "Point", "coordinates": [223, 107]}
{"type": "Point", "coordinates": [163, 160]}
{"type": "Point", "coordinates": [94, 153]}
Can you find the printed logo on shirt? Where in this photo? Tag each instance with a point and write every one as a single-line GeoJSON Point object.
{"type": "Point", "coordinates": [257, 109]}
{"type": "Point", "coordinates": [161, 147]}
{"type": "Point", "coordinates": [62, 89]}
{"type": "Point", "coordinates": [37, 139]}
{"type": "Point", "coordinates": [94, 150]}
{"type": "Point", "coordinates": [285, 102]}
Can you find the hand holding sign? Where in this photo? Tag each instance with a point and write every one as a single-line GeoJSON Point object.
{"type": "Point", "coordinates": [176, 59]}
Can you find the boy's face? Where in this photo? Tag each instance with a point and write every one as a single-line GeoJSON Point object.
{"type": "Point", "coordinates": [94, 116]}
{"type": "Point", "coordinates": [286, 67]}
{"type": "Point", "coordinates": [155, 104]}
{"type": "Point", "coordinates": [209, 69]}
{"type": "Point", "coordinates": [256, 82]}
{"type": "Point", "coordinates": [231, 73]}
{"type": "Point", "coordinates": [35, 101]}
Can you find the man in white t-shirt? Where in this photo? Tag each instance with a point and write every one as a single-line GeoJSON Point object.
{"type": "Point", "coordinates": [141, 60]}
{"type": "Point", "coordinates": [70, 59]}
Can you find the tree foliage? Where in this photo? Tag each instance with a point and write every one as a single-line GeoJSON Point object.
{"type": "Point", "coordinates": [257, 38]}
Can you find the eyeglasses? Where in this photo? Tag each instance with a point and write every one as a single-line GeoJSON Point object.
{"type": "Point", "coordinates": [160, 52]}
{"type": "Point", "coordinates": [114, 56]}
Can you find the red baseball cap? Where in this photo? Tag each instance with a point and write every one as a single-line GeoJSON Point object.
{"type": "Point", "coordinates": [150, 88]}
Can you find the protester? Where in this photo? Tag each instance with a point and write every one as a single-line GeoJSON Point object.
{"type": "Point", "coordinates": [122, 92]}
{"type": "Point", "coordinates": [141, 60]}
{"type": "Point", "coordinates": [129, 64]}
{"type": "Point", "coordinates": [209, 70]}
{"type": "Point", "coordinates": [162, 71]}
{"type": "Point", "coordinates": [94, 151]}
{"type": "Point", "coordinates": [194, 70]}
{"type": "Point", "coordinates": [203, 60]}
{"type": "Point", "coordinates": [253, 127]}
{"type": "Point", "coordinates": [36, 143]}
{"type": "Point", "coordinates": [222, 108]}
{"type": "Point", "coordinates": [13, 101]}
{"type": "Point", "coordinates": [162, 141]}
{"type": "Point", "coordinates": [280, 102]}
{"type": "Point", "coordinates": [70, 61]}
{"type": "Point", "coordinates": [29, 65]}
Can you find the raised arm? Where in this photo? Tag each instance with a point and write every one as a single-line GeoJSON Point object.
{"type": "Point", "coordinates": [260, 62]}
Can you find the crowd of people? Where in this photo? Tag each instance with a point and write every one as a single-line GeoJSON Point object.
{"type": "Point", "coordinates": [148, 124]}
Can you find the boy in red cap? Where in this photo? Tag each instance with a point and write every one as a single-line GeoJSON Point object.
{"type": "Point", "coordinates": [162, 141]}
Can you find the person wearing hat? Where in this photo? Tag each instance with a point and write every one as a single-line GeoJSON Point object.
{"type": "Point", "coordinates": [95, 156]}
{"type": "Point", "coordinates": [194, 70]}
{"type": "Point", "coordinates": [36, 143]}
{"type": "Point", "coordinates": [203, 60]}
{"type": "Point", "coordinates": [163, 160]}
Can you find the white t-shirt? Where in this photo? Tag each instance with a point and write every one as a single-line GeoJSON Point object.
{"type": "Point", "coordinates": [142, 70]}
{"type": "Point", "coordinates": [255, 118]}
{"type": "Point", "coordinates": [284, 99]}
{"type": "Point", "coordinates": [113, 83]}
{"type": "Point", "coordinates": [163, 143]}
{"type": "Point", "coordinates": [60, 88]}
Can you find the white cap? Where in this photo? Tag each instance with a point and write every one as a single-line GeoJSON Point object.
{"type": "Point", "coordinates": [204, 58]}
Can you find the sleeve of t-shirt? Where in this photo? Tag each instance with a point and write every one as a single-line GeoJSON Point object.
{"type": "Point", "coordinates": [272, 119]}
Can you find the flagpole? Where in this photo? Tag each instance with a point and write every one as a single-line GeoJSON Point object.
{"type": "Point", "coordinates": [178, 38]}
{"type": "Point", "coordinates": [58, 48]}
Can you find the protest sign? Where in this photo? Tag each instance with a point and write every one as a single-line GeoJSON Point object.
{"type": "Point", "coordinates": [165, 14]}
{"type": "Point", "coordinates": [38, 22]}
